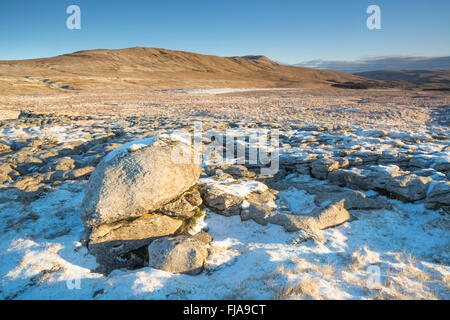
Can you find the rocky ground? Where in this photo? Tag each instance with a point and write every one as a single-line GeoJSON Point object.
{"type": "Point", "coordinates": [357, 208]}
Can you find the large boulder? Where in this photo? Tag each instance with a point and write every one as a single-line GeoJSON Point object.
{"type": "Point", "coordinates": [180, 254]}
{"type": "Point", "coordinates": [138, 178]}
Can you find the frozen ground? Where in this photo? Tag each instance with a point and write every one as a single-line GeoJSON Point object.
{"type": "Point", "coordinates": [42, 258]}
{"type": "Point", "coordinates": [224, 90]}
{"type": "Point", "coordinates": [397, 253]}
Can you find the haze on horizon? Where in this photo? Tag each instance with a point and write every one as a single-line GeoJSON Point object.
{"type": "Point", "coordinates": [288, 31]}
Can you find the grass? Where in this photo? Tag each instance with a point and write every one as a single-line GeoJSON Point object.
{"type": "Point", "coordinates": [303, 266]}
{"type": "Point", "coordinates": [396, 289]}
{"type": "Point", "coordinates": [189, 223]}
{"type": "Point", "coordinates": [302, 289]}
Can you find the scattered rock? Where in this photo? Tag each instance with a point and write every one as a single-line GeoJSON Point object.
{"type": "Point", "coordinates": [7, 173]}
{"type": "Point", "coordinates": [410, 187]}
{"type": "Point", "coordinates": [319, 218]}
{"type": "Point", "coordinates": [353, 199]}
{"type": "Point", "coordinates": [4, 148]}
{"type": "Point", "coordinates": [180, 254]}
{"type": "Point", "coordinates": [80, 173]}
{"type": "Point", "coordinates": [63, 164]}
{"type": "Point", "coordinates": [220, 201]}
{"type": "Point", "coordinates": [439, 196]}
{"type": "Point", "coordinates": [239, 172]}
{"type": "Point", "coordinates": [203, 236]}
{"type": "Point", "coordinates": [320, 168]}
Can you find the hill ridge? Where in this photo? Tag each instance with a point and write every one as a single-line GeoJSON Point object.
{"type": "Point", "coordinates": [158, 68]}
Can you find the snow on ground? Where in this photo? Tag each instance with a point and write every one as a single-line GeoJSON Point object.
{"type": "Point", "coordinates": [398, 253]}
{"type": "Point", "coordinates": [235, 187]}
{"type": "Point", "coordinates": [380, 254]}
{"type": "Point", "coordinates": [294, 199]}
{"type": "Point", "coordinates": [223, 90]}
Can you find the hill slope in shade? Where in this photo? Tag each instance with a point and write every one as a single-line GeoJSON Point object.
{"type": "Point", "coordinates": [155, 68]}
{"type": "Point", "coordinates": [427, 79]}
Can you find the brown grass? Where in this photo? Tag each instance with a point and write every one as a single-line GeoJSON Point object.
{"type": "Point", "coordinates": [154, 68]}
{"type": "Point", "coordinates": [303, 289]}
{"type": "Point", "coordinates": [303, 266]}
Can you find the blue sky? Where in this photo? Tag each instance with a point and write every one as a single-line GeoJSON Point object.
{"type": "Point", "coordinates": [286, 31]}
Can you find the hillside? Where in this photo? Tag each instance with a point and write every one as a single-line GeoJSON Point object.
{"type": "Point", "coordinates": [425, 79]}
{"type": "Point", "coordinates": [153, 68]}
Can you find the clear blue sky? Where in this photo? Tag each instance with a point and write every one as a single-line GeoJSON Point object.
{"type": "Point", "coordinates": [286, 31]}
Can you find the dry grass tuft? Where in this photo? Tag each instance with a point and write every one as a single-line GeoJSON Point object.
{"type": "Point", "coordinates": [303, 266]}
{"type": "Point", "coordinates": [303, 289]}
{"type": "Point", "coordinates": [395, 289]}
{"type": "Point", "coordinates": [446, 280]}
{"type": "Point", "coordinates": [357, 261]}
{"type": "Point", "coordinates": [412, 272]}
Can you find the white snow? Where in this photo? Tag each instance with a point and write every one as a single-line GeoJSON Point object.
{"type": "Point", "coordinates": [296, 201]}
{"type": "Point", "coordinates": [135, 145]}
{"type": "Point", "coordinates": [223, 90]}
{"type": "Point", "coordinates": [235, 187]}
{"type": "Point", "coordinates": [41, 256]}
{"type": "Point", "coordinates": [130, 147]}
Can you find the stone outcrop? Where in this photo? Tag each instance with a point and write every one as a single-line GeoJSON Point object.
{"type": "Point", "coordinates": [133, 182]}
{"type": "Point", "coordinates": [138, 193]}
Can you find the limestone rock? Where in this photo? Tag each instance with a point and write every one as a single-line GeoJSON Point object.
{"type": "Point", "coordinates": [239, 171]}
{"type": "Point", "coordinates": [64, 164]}
{"type": "Point", "coordinates": [411, 187]}
{"type": "Point", "coordinates": [219, 200]}
{"type": "Point", "coordinates": [135, 180]}
{"type": "Point", "coordinates": [184, 206]}
{"type": "Point", "coordinates": [113, 244]}
{"type": "Point", "coordinates": [203, 236]}
{"type": "Point", "coordinates": [7, 173]}
{"type": "Point", "coordinates": [180, 254]}
{"type": "Point", "coordinates": [353, 199]}
{"type": "Point", "coordinates": [320, 168]}
{"type": "Point", "coordinates": [319, 218]}
{"type": "Point", "coordinates": [4, 148]}
{"type": "Point", "coordinates": [439, 195]}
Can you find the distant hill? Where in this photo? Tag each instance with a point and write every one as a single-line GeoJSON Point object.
{"type": "Point", "coordinates": [153, 68]}
{"type": "Point", "coordinates": [381, 63]}
{"type": "Point", "coordinates": [425, 79]}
